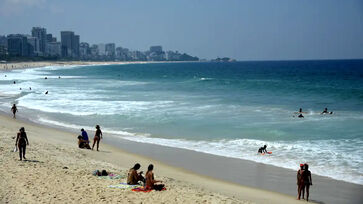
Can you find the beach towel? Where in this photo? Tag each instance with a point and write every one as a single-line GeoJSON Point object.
{"type": "Point", "coordinates": [123, 186]}
{"type": "Point", "coordinates": [141, 189]}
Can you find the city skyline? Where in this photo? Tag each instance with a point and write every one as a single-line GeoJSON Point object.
{"type": "Point", "coordinates": [244, 30]}
{"type": "Point", "coordinates": [41, 45]}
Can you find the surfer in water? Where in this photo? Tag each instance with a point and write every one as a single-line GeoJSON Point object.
{"type": "Point", "coordinates": [326, 111]}
{"type": "Point", "coordinates": [300, 116]}
{"type": "Point", "coordinates": [262, 149]}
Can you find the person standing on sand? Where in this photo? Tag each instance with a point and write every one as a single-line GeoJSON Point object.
{"type": "Point", "coordinates": [14, 109]}
{"type": "Point", "coordinates": [21, 142]}
{"type": "Point", "coordinates": [98, 137]}
{"type": "Point", "coordinates": [300, 182]}
{"type": "Point", "coordinates": [306, 177]}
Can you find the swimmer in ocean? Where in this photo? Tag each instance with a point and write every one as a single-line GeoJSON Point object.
{"type": "Point", "coordinates": [326, 111]}
{"type": "Point", "coordinates": [262, 149]}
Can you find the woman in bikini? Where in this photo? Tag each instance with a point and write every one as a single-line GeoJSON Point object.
{"type": "Point", "coordinates": [98, 137]}
{"type": "Point", "coordinates": [21, 142]}
{"type": "Point", "coordinates": [150, 181]}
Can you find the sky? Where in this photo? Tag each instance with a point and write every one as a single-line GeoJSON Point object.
{"type": "Point", "coordinates": [240, 29]}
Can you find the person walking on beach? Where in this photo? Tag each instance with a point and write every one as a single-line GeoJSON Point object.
{"type": "Point", "coordinates": [14, 109]}
{"type": "Point", "coordinates": [306, 177]}
{"type": "Point", "coordinates": [300, 183]}
{"type": "Point", "coordinates": [98, 137]}
{"type": "Point", "coordinates": [21, 142]}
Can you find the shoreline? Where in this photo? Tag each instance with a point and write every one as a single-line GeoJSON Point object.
{"type": "Point", "coordinates": [25, 65]}
{"type": "Point", "coordinates": [114, 156]}
{"type": "Point", "coordinates": [244, 180]}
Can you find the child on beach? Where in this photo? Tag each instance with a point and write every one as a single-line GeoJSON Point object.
{"type": "Point", "coordinates": [21, 142]}
{"type": "Point", "coordinates": [98, 137]}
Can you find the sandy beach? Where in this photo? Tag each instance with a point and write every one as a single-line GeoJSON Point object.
{"type": "Point", "coordinates": [57, 171]}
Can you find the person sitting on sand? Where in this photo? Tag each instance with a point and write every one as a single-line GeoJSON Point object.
{"type": "Point", "coordinates": [83, 143]}
{"type": "Point", "coordinates": [14, 109]}
{"type": "Point", "coordinates": [262, 149]}
{"type": "Point", "coordinates": [84, 136]}
{"type": "Point", "coordinates": [21, 142]}
{"type": "Point", "coordinates": [150, 181]}
{"type": "Point", "coordinates": [133, 176]}
{"type": "Point", "coordinates": [306, 177]}
{"type": "Point", "coordinates": [98, 137]}
{"type": "Point", "coordinates": [300, 182]}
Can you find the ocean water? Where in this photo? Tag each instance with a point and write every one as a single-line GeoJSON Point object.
{"type": "Point", "coordinates": [227, 109]}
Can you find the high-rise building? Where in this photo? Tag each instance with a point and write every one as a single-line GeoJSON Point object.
{"type": "Point", "coordinates": [3, 41]}
{"type": "Point", "coordinates": [157, 49]}
{"type": "Point", "coordinates": [123, 54]}
{"type": "Point", "coordinates": [66, 43]}
{"type": "Point", "coordinates": [33, 46]}
{"type": "Point", "coordinates": [84, 51]}
{"type": "Point", "coordinates": [70, 44]}
{"type": "Point", "coordinates": [50, 38]}
{"type": "Point", "coordinates": [94, 51]}
{"type": "Point", "coordinates": [17, 45]}
{"type": "Point", "coordinates": [75, 46]}
{"type": "Point", "coordinates": [41, 34]}
{"type": "Point", "coordinates": [110, 49]}
{"type": "Point", "coordinates": [101, 49]}
{"type": "Point", "coordinates": [54, 49]}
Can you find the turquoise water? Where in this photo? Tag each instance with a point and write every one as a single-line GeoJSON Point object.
{"type": "Point", "coordinates": [227, 109]}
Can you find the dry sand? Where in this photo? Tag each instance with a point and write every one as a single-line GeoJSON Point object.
{"type": "Point", "coordinates": [44, 178]}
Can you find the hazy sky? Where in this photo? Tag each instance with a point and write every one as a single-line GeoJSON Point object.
{"type": "Point", "coordinates": [241, 29]}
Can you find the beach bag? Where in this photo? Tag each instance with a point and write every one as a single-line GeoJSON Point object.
{"type": "Point", "coordinates": [104, 173]}
{"type": "Point", "coordinates": [159, 187]}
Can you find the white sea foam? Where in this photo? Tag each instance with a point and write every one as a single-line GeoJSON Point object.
{"type": "Point", "coordinates": [331, 162]}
